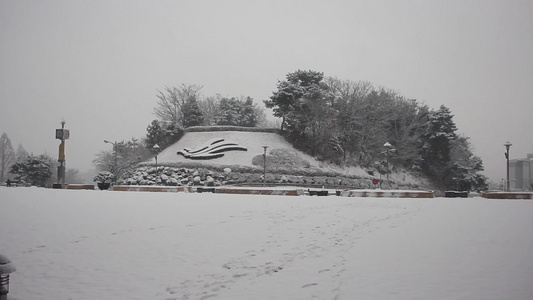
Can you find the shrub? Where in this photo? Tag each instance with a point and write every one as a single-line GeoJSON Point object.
{"type": "Point", "coordinates": [103, 176]}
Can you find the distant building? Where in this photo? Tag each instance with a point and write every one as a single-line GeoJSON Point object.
{"type": "Point", "coordinates": [520, 173]}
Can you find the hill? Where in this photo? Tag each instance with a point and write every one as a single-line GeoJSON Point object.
{"type": "Point", "coordinates": [253, 142]}
{"type": "Point", "coordinates": [209, 151]}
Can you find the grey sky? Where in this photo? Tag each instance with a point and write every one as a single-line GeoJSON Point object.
{"type": "Point", "coordinates": [99, 64]}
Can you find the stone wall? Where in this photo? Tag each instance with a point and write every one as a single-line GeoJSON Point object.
{"type": "Point", "coordinates": [174, 176]}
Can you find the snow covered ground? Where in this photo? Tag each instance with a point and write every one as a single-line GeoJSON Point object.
{"type": "Point", "coordinates": [72, 244]}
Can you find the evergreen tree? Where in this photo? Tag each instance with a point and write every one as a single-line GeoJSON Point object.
{"type": "Point", "coordinates": [172, 133]}
{"type": "Point", "coordinates": [154, 134]}
{"type": "Point", "coordinates": [192, 116]}
{"type": "Point", "coordinates": [229, 113]}
{"type": "Point", "coordinates": [35, 170]}
{"type": "Point", "coordinates": [305, 105]}
{"type": "Point", "coordinates": [441, 133]}
{"type": "Point", "coordinates": [464, 167]}
{"type": "Point", "coordinates": [438, 140]}
{"type": "Point", "coordinates": [249, 117]}
{"type": "Point", "coordinates": [164, 136]}
{"type": "Point", "coordinates": [286, 102]}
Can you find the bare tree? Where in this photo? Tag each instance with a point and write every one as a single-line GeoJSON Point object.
{"type": "Point", "coordinates": [21, 153]}
{"type": "Point", "coordinates": [170, 104]}
{"type": "Point", "coordinates": [209, 108]}
{"type": "Point", "coordinates": [7, 156]}
{"type": "Point", "coordinates": [123, 158]}
{"type": "Point", "coordinates": [262, 120]}
{"type": "Point", "coordinates": [72, 176]}
{"type": "Point", "coordinates": [349, 96]}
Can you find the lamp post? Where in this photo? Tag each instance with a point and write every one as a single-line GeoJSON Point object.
{"type": "Point", "coordinates": [156, 151]}
{"type": "Point", "coordinates": [114, 171]}
{"type": "Point", "coordinates": [265, 147]}
{"type": "Point", "coordinates": [6, 267]}
{"type": "Point", "coordinates": [507, 146]}
{"type": "Point", "coordinates": [529, 181]}
{"type": "Point", "coordinates": [388, 148]}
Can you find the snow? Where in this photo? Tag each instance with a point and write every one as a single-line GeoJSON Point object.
{"type": "Point", "coordinates": [80, 244]}
{"type": "Point", "coordinates": [253, 142]}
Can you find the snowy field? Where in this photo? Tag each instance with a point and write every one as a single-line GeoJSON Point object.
{"type": "Point", "coordinates": [71, 244]}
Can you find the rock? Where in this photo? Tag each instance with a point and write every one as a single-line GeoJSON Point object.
{"type": "Point", "coordinates": [196, 180]}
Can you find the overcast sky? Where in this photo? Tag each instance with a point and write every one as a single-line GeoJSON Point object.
{"type": "Point", "coordinates": [99, 64]}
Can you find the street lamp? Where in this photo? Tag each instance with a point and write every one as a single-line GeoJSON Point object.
{"type": "Point", "coordinates": [6, 267]}
{"type": "Point", "coordinates": [114, 171]}
{"type": "Point", "coordinates": [388, 148]}
{"type": "Point", "coordinates": [529, 181]}
{"type": "Point", "coordinates": [265, 147]}
{"type": "Point", "coordinates": [507, 146]}
{"type": "Point", "coordinates": [156, 151]}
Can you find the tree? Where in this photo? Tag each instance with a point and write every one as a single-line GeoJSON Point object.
{"type": "Point", "coordinates": [72, 176]}
{"type": "Point", "coordinates": [154, 134]}
{"type": "Point", "coordinates": [249, 117]}
{"type": "Point", "coordinates": [305, 104]}
{"type": "Point", "coordinates": [192, 116]}
{"type": "Point", "coordinates": [170, 104]}
{"type": "Point", "coordinates": [229, 112]}
{"type": "Point", "coordinates": [261, 118]}
{"type": "Point", "coordinates": [407, 123]}
{"type": "Point", "coordinates": [286, 99]}
{"type": "Point", "coordinates": [437, 142]}
{"type": "Point", "coordinates": [370, 128]}
{"type": "Point", "coordinates": [35, 170]}
{"type": "Point", "coordinates": [209, 109]}
{"type": "Point", "coordinates": [7, 156]}
{"type": "Point", "coordinates": [161, 134]}
{"type": "Point", "coordinates": [123, 158]}
{"type": "Point", "coordinates": [21, 153]}
{"type": "Point", "coordinates": [464, 167]}
{"type": "Point", "coordinates": [348, 97]}
{"type": "Point", "coordinates": [237, 112]}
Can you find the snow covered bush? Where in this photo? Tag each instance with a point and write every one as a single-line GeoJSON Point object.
{"type": "Point", "coordinates": [103, 176]}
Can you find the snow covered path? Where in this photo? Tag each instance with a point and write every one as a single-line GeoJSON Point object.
{"type": "Point", "coordinates": [69, 244]}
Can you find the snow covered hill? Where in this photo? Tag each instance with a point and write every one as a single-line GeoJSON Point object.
{"type": "Point", "coordinates": [254, 142]}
